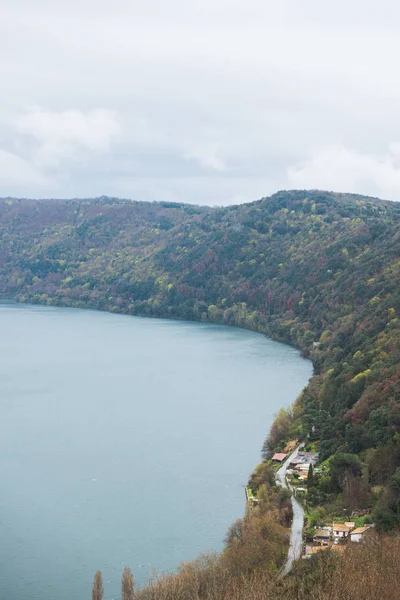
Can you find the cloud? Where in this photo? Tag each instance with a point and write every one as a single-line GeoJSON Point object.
{"type": "Point", "coordinates": [18, 174]}
{"type": "Point", "coordinates": [218, 190]}
{"type": "Point", "coordinates": [207, 156]}
{"type": "Point", "coordinates": [202, 99]}
{"type": "Point", "coordinates": [339, 169]}
{"type": "Point", "coordinates": [62, 134]}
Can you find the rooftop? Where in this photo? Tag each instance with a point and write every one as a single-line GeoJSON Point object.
{"type": "Point", "coordinates": [279, 456]}
{"type": "Point", "coordinates": [308, 454]}
{"type": "Point", "coordinates": [340, 527]}
{"type": "Point", "coordinates": [321, 533]}
{"type": "Point", "coordinates": [361, 530]}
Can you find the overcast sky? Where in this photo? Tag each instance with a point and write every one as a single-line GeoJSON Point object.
{"type": "Point", "coordinates": [206, 101]}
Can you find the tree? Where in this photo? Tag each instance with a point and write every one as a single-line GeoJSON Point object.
{"type": "Point", "coordinates": [387, 513]}
{"type": "Point", "coordinates": [342, 466]}
{"type": "Point", "coordinates": [355, 492]}
{"type": "Point", "coordinates": [235, 533]}
{"type": "Point", "coordinates": [278, 432]}
{"type": "Point", "coordinates": [98, 591]}
{"type": "Point", "coordinates": [310, 477]}
{"type": "Point", "coordinates": [128, 592]}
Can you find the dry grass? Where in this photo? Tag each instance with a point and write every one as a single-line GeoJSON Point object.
{"type": "Point", "coordinates": [366, 571]}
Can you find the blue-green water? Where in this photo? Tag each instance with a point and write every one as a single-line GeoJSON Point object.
{"type": "Point", "coordinates": [125, 441]}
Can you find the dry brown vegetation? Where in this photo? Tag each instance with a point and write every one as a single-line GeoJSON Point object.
{"type": "Point", "coordinates": [127, 587]}
{"type": "Point", "coordinates": [366, 571]}
{"type": "Point", "coordinates": [98, 590]}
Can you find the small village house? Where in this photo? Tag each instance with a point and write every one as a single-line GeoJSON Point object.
{"type": "Point", "coordinates": [309, 457]}
{"type": "Point", "coordinates": [321, 536]}
{"type": "Point", "coordinates": [279, 456]}
{"type": "Point", "coordinates": [340, 531]}
{"type": "Point", "coordinates": [357, 534]}
{"type": "Point", "coordinates": [301, 467]}
{"type": "Point", "coordinates": [304, 468]}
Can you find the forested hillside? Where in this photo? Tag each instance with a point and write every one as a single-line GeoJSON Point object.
{"type": "Point", "coordinates": [315, 269]}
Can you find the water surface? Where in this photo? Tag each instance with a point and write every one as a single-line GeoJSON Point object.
{"type": "Point", "coordinates": [125, 441]}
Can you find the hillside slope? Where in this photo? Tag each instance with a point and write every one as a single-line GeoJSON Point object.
{"type": "Point", "coordinates": [315, 269]}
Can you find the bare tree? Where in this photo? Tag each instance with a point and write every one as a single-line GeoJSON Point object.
{"type": "Point", "coordinates": [128, 592]}
{"type": "Point", "coordinates": [98, 591]}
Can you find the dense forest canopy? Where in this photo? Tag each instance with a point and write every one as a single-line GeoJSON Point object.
{"type": "Point", "coordinates": [316, 269]}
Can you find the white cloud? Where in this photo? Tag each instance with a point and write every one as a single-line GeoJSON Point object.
{"type": "Point", "coordinates": [18, 174]}
{"type": "Point", "coordinates": [207, 156]}
{"type": "Point", "coordinates": [60, 135]}
{"type": "Point", "coordinates": [218, 191]}
{"type": "Point", "coordinates": [218, 94]}
{"type": "Point", "coordinates": [339, 169]}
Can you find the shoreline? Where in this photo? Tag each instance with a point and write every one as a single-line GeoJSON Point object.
{"type": "Point", "coordinates": [41, 307]}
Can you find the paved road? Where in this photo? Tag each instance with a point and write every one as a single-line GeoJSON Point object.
{"type": "Point", "coordinates": [296, 534]}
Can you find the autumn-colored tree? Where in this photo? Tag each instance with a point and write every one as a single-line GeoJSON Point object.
{"type": "Point", "coordinates": [98, 591]}
{"type": "Point", "coordinates": [278, 432]}
{"type": "Point", "coordinates": [255, 542]}
{"type": "Point", "coordinates": [128, 591]}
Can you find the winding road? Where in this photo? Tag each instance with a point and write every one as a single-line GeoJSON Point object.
{"type": "Point", "coordinates": [296, 534]}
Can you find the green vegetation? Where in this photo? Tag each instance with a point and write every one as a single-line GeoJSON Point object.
{"type": "Point", "coordinates": [314, 269]}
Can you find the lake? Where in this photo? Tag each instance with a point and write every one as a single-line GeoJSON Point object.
{"type": "Point", "coordinates": [125, 441]}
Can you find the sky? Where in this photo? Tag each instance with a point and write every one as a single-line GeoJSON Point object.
{"type": "Point", "coordinates": [210, 102]}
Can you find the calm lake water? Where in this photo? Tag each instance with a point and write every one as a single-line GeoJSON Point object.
{"type": "Point", "coordinates": [125, 442]}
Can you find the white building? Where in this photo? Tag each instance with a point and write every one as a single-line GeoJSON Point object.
{"type": "Point", "coordinates": [357, 534]}
{"type": "Point", "coordinates": [340, 530]}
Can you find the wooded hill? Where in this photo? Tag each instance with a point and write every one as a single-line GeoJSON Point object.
{"type": "Point", "coordinates": [315, 269]}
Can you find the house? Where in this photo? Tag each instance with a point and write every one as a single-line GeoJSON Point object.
{"type": "Point", "coordinates": [340, 531]}
{"type": "Point", "coordinates": [304, 468]}
{"type": "Point", "coordinates": [308, 454]}
{"type": "Point", "coordinates": [357, 534]}
{"type": "Point", "coordinates": [309, 457]}
{"type": "Point", "coordinates": [321, 536]}
{"type": "Point", "coordinates": [350, 524]}
{"type": "Point", "coordinates": [279, 456]}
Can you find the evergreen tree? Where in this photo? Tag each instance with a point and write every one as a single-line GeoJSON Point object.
{"type": "Point", "coordinates": [310, 477]}
{"type": "Point", "coordinates": [98, 591]}
{"type": "Point", "coordinates": [127, 585]}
